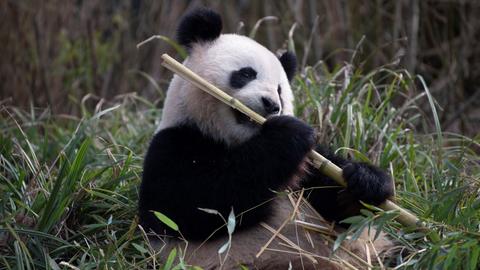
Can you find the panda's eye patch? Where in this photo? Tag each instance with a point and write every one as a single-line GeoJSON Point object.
{"type": "Point", "coordinates": [241, 77]}
{"type": "Point", "coordinates": [248, 73]}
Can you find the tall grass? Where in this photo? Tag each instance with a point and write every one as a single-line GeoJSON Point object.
{"type": "Point", "coordinates": [69, 186]}
{"type": "Point", "coordinates": [375, 117]}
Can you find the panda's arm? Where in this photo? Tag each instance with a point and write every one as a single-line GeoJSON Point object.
{"type": "Point", "coordinates": [268, 161]}
{"type": "Point", "coordinates": [365, 182]}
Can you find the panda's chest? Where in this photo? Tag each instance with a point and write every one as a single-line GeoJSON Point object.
{"type": "Point", "coordinates": [207, 160]}
{"type": "Point", "coordinates": [201, 152]}
{"type": "Point", "coordinates": [203, 162]}
{"type": "Point", "coordinates": [203, 166]}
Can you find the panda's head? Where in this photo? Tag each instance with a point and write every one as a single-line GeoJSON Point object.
{"type": "Point", "coordinates": [236, 64]}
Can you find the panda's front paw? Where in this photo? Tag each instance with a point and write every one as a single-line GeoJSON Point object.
{"type": "Point", "coordinates": [289, 130]}
{"type": "Point", "coordinates": [368, 183]}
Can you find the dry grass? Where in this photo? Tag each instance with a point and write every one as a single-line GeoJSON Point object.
{"type": "Point", "coordinates": [58, 51]}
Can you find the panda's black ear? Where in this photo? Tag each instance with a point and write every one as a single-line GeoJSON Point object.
{"type": "Point", "coordinates": [199, 25]}
{"type": "Point", "coordinates": [289, 63]}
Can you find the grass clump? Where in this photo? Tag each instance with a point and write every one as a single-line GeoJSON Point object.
{"type": "Point", "coordinates": [69, 186]}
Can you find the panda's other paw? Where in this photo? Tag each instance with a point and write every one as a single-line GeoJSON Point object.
{"type": "Point", "coordinates": [368, 183]}
{"type": "Point", "coordinates": [290, 130]}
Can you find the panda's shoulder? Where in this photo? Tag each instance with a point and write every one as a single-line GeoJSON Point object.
{"type": "Point", "coordinates": [172, 138]}
{"type": "Point", "coordinates": [181, 141]}
{"type": "Point", "coordinates": [175, 133]}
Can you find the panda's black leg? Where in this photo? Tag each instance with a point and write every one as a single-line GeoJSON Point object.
{"type": "Point", "coordinates": [364, 182]}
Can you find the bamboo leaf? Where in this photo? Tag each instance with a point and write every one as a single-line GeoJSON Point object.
{"type": "Point", "coordinates": [224, 247]}
{"type": "Point", "coordinates": [231, 222]}
{"type": "Point", "coordinates": [140, 248]}
{"type": "Point", "coordinates": [165, 220]}
{"type": "Point", "coordinates": [210, 211]}
{"type": "Point", "coordinates": [339, 240]}
{"type": "Point", "coordinates": [352, 220]}
{"type": "Point", "coordinates": [170, 259]}
{"type": "Point", "coordinates": [474, 255]}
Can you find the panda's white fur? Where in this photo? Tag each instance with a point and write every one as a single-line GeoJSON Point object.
{"type": "Point", "coordinates": [214, 61]}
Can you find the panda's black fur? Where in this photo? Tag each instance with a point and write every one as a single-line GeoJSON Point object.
{"type": "Point", "coordinates": [186, 169]}
{"type": "Point", "coordinates": [289, 63]}
{"type": "Point", "coordinates": [208, 174]}
{"type": "Point", "coordinates": [200, 25]}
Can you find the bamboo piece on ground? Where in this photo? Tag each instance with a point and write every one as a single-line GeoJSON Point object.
{"type": "Point", "coordinates": [326, 166]}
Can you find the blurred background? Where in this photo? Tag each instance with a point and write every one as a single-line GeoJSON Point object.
{"type": "Point", "coordinates": [54, 53]}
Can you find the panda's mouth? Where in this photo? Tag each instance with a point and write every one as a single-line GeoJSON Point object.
{"type": "Point", "coordinates": [242, 119]}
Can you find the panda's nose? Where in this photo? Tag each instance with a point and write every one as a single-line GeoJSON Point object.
{"type": "Point", "coordinates": [271, 107]}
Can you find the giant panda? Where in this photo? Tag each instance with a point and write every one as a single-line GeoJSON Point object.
{"type": "Point", "coordinates": [205, 155]}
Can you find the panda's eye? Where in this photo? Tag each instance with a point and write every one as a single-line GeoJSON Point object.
{"type": "Point", "coordinates": [248, 73]}
{"type": "Point", "coordinates": [242, 77]}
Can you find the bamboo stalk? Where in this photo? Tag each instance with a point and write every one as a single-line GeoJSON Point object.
{"type": "Point", "coordinates": [324, 165]}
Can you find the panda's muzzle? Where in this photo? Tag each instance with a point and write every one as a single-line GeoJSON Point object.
{"type": "Point", "coordinates": [268, 108]}
{"type": "Point", "coordinates": [242, 119]}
